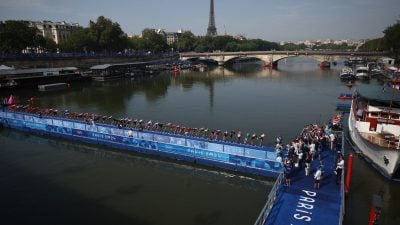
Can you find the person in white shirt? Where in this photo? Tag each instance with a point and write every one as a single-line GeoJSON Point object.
{"type": "Point", "coordinates": [339, 168]}
{"type": "Point", "coordinates": [317, 177]}
{"type": "Point", "coordinates": [130, 133]}
{"type": "Point", "coordinates": [332, 140]}
{"type": "Point", "coordinates": [312, 150]}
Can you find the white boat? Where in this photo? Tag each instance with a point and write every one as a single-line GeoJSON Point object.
{"type": "Point", "coordinates": [374, 69]}
{"type": "Point", "coordinates": [347, 73]}
{"type": "Point", "coordinates": [362, 72]}
{"type": "Point", "coordinates": [374, 128]}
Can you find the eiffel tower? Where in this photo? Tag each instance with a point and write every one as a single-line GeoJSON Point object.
{"type": "Point", "coordinates": [211, 30]}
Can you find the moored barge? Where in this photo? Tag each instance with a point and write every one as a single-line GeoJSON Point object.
{"type": "Point", "coordinates": [12, 78]}
{"type": "Point", "coordinates": [106, 72]}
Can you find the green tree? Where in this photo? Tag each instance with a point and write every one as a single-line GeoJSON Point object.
{"type": "Point", "coordinates": [80, 40]}
{"type": "Point", "coordinates": [262, 45]}
{"type": "Point", "coordinates": [154, 41]}
{"type": "Point", "coordinates": [136, 42]}
{"type": "Point", "coordinates": [186, 41]}
{"type": "Point", "coordinates": [392, 37]}
{"type": "Point", "coordinates": [293, 47]}
{"type": "Point", "coordinates": [108, 35]}
{"type": "Point", "coordinates": [45, 44]}
{"type": "Point", "coordinates": [378, 44]}
{"type": "Point", "coordinates": [220, 42]}
{"type": "Point", "coordinates": [248, 46]}
{"type": "Point", "coordinates": [204, 44]}
{"type": "Point", "coordinates": [16, 36]}
{"type": "Point", "coordinates": [232, 46]}
{"type": "Point", "coordinates": [230, 43]}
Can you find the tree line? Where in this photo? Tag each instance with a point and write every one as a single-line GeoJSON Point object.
{"type": "Point", "coordinates": [16, 36]}
{"type": "Point", "coordinates": [389, 42]}
{"type": "Point", "coordinates": [104, 35]}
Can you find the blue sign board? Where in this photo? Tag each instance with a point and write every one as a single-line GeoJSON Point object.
{"type": "Point", "coordinates": [215, 147]}
{"type": "Point", "coordinates": [58, 123]}
{"type": "Point", "coordinates": [28, 118]}
{"type": "Point", "coordinates": [232, 154]}
{"type": "Point", "coordinates": [91, 128]}
{"type": "Point", "coordinates": [80, 126]}
{"type": "Point", "coordinates": [196, 144]}
{"type": "Point", "coordinates": [146, 136]}
{"type": "Point", "coordinates": [177, 141]}
{"type": "Point", "coordinates": [162, 138]}
{"type": "Point", "coordinates": [235, 150]}
{"type": "Point", "coordinates": [68, 124]}
{"type": "Point", "coordinates": [104, 130]}
{"type": "Point", "coordinates": [254, 153]}
{"type": "Point", "coordinates": [19, 116]}
{"type": "Point", "coordinates": [117, 131]}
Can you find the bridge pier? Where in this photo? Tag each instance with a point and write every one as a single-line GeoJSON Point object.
{"type": "Point", "coordinates": [271, 65]}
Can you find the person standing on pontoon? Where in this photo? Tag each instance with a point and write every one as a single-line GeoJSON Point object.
{"type": "Point", "coordinates": [261, 138]}
{"type": "Point", "coordinates": [239, 136]}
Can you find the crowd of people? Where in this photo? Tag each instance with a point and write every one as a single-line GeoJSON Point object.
{"type": "Point", "coordinates": [308, 147]}
{"type": "Point", "coordinates": [139, 124]}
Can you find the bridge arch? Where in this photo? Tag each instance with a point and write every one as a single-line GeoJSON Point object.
{"type": "Point", "coordinates": [272, 57]}
{"type": "Point", "coordinates": [241, 57]}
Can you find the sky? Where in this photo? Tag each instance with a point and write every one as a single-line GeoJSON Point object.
{"type": "Point", "coordinates": [272, 20]}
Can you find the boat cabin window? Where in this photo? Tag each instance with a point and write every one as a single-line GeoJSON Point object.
{"type": "Point", "coordinates": [374, 114]}
{"type": "Point", "coordinates": [384, 115]}
{"type": "Point", "coordinates": [395, 116]}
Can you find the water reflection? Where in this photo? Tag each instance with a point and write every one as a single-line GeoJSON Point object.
{"type": "Point", "coordinates": [243, 97]}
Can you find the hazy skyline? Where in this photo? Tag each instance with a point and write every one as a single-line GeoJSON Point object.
{"type": "Point", "coordinates": [280, 20]}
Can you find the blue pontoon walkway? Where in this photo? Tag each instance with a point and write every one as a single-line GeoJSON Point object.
{"type": "Point", "coordinates": [300, 203]}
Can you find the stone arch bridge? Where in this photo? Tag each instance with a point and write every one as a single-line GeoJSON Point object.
{"type": "Point", "coordinates": [272, 57]}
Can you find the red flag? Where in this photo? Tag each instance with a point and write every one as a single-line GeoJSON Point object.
{"type": "Point", "coordinates": [11, 100]}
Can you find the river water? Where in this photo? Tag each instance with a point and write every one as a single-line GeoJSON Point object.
{"type": "Point", "coordinates": [52, 181]}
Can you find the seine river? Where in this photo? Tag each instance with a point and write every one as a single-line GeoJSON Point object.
{"type": "Point", "coordinates": [51, 181]}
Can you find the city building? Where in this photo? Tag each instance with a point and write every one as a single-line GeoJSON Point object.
{"type": "Point", "coordinates": [173, 37]}
{"type": "Point", "coordinates": [240, 37]}
{"type": "Point", "coordinates": [170, 37]}
{"type": "Point", "coordinates": [313, 43]}
{"type": "Point", "coordinates": [59, 32]}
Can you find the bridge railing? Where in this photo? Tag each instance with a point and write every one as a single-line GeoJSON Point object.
{"type": "Point", "coordinates": [301, 52]}
{"type": "Point", "coordinates": [270, 201]}
{"type": "Point", "coordinates": [80, 55]}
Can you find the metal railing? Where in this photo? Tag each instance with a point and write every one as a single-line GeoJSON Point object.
{"type": "Point", "coordinates": [270, 201]}
{"type": "Point", "coordinates": [82, 55]}
{"type": "Point", "coordinates": [342, 205]}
